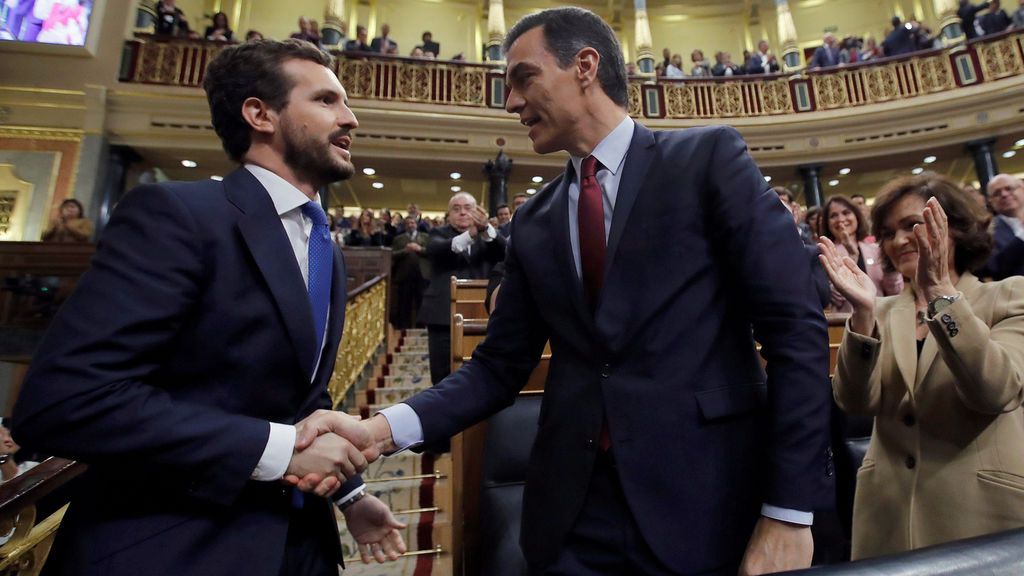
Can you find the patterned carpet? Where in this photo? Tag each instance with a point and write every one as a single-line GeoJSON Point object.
{"type": "Point", "coordinates": [407, 482]}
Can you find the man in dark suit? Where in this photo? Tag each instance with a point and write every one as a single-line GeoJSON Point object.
{"type": "Point", "coordinates": [359, 43]}
{"type": "Point", "coordinates": [1006, 194]}
{"type": "Point", "coordinates": [900, 39]}
{"type": "Point", "coordinates": [762, 61]}
{"type": "Point", "coordinates": [968, 14]}
{"type": "Point", "coordinates": [429, 45]}
{"type": "Point", "coordinates": [189, 368]}
{"type": "Point", "coordinates": [662, 447]}
{"type": "Point", "coordinates": [410, 270]}
{"type": "Point", "coordinates": [996, 20]}
{"type": "Point", "coordinates": [825, 55]}
{"type": "Point", "coordinates": [467, 247]}
{"type": "Point", "coordinates": [383, 43]}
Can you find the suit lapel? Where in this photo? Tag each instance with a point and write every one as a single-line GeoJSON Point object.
{"type": "Point", "coordinates": [634, 173]}
{"type": "Point", "coordinates": [902, 323]}
{"type": "Point", "coordinates": [967, 285]}
{"type": "Point", "coordinates": [563, 246]}
{"type": "Point", "coordinates": [260, 227]}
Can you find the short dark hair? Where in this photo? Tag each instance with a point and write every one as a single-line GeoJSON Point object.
{"type": "Point", "coordinates": [500, 206]}
{"type": "Point", "coordinates": [862, 226]}
{"type": "Point", "coordinates": [252, 70]}
{"type": "Point", "coordinates": [968, 226]}
{"type": "Point", "coordinates": [81, 209]}
{"type": "Point", "coordinates": [861, 196]}
{"type": "Point", "coordinates": [568, 30]}
{"type": "Point", "coordinates": [783, 191]}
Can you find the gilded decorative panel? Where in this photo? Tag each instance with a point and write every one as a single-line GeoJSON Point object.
{"type": "Point", "coordinates": [636, 108]}
{"type": "Point", "coordinates": [775, 97]}
{"type": "Point", "coordinates": [728, 99]}
{"type": "Point", "coordinates": [935, 74]}
{"type": "Point", "coordinates": [881, 83]}
{"type": "Point", "coordinates": [467, 87]}
{"type": "Point", "coordinates": [414, 83]}
{"type": "Point", "coordinates": [830, 91]}
{"type": "Point", "coordinates": [679, 101]}
{"type": "Point", "coordinates": [1000, 59]}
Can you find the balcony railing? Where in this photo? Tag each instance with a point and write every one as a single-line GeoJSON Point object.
{"type": "Point", "coordinates": [176, 62]}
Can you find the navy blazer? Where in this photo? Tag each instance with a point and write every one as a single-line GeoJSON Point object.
{"type": "Point", "coordinates": [436, 308]}
{"type": "Point", "coordinates": [824, 57]}
{"type": "Point", "coordinates": [191, 330]}
{"type": "Point", "coordinates": [701, 436]}
{"type": "Point", "coordinates": [1007, 258]}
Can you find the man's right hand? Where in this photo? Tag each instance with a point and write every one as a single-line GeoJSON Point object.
{"type": "Point", "coordinates": [329, 456]}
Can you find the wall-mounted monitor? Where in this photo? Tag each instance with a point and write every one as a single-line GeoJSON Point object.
{"type": "Point", "coordinates": [60, 22]}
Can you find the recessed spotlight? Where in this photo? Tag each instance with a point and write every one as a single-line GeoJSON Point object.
{"type": "Point", "coordinates": [217, 178]}
{"type": "Point", "coordinates": [767, 178]}
{"type": "Point", "coordinates": [929, 159]}
{"type": "Point", "coordinates": [917, 171]}
{"type": "Point", "coordinates": [456, 188]}
{"type": "Point", "coordinates": [455, 175]}
{"type": "Point", "coordinates": [538, 179]}
{"type": "Point", "coordinates": [378, 185]}
{"type": "Point", "coordinates": [369, 171]}
{"type": "Point", "coordinates": [189, 163]}
{"type": "Point", "coordinates": [1019, 142]}
{"type": "Point", "coordinates": [1009, 154]}
{"type": "Point", "coordinates": [833, 182]}
{"type": "Point", "coordinates": [844, 171]}
{"type": "Point", "coordinates": [531, 191]}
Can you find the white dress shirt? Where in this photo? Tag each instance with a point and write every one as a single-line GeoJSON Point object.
{"type": "Point", "coordinates": [406, 428]}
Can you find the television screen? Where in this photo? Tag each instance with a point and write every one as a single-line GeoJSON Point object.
{"type": "Point", "coordinates": [45, 21]}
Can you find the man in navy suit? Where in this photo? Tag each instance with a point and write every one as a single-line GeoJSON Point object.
{"type": "Point", "coordinates": [663, 447]}
{"type": "Point", "coordinates": [825, 55]}
{"type": "Point", "coordinates": [1006, 194]}
{"type": "Point", "coordinates": [900, 39]}
{"type": "Point", "coordinates": [189, 368]}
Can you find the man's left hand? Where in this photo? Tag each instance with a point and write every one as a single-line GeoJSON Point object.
{"type": "Point", "coordinates": [375, 529]}
{"type": "Point", "coordinates": [777, 546]}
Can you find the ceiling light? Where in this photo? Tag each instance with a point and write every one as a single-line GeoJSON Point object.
{"type": "Point", "coordinates": [455, 175]}
{"type": "Point", "coordinates": [929, 159]}
{"type": "Point", "coordinates": [1009, 154]}
{"type": "Point", "coordinates": [378, 185]}
{"type": "Point", "coordinates": [538, 179]}
{"type": "Point", "coordinates": [369, 171]}
{"type": "Point", "coordinates": [767, 178]}
{"type": "Point", "coordinates": [844, 171]}
{"type": "Point", "coordinates": [217, 178]}
{"type": "Point", "coordinates": [531, 191]}
{"type": "Point", "coordinates": [833, 182]}
{"type": "Point", "coordinates": [917, 171]}
{"type": "Point", "coordinates": [456, 188]}
{"type": "Point", "coordinates": [189, 163]}
{"type": "Point", "coordinates": [1019, 142]}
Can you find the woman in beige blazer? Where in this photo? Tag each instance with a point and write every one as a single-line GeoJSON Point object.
{"type": "Point", "coordinates": [941, 368]}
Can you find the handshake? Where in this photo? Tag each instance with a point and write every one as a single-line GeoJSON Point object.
{"type": "Point", "coordinates": [332, 447]}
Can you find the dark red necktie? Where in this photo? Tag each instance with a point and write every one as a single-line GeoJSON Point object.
{"type": "Point", "coordinates": [590, 212]}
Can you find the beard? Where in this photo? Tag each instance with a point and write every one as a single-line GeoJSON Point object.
{"type": "Point", "coordinates": [312, 159]}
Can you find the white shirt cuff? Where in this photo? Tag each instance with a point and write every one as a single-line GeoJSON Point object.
{"type": "Point", "coordinates": [406, 429]}
{"type": "Point", "coordinates": [462, 242]}
{"type": "Point", "coordinates": [490, 233]}
{"type": "Point", "coordinates": [350, 495]}
{"type": "Point", "coordinates": [277, 455]}
{"type": "Point", "coordinates": [787, 515]}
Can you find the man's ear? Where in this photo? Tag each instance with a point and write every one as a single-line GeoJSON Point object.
{"type": "Point", "coordinates": [587, 62]}
{"type": "Point", "coordinates": [260, 116]}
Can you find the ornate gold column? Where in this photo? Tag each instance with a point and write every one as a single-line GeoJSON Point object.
{"type": "Point", "coordinates": [950, 26]}
{"type": "Point", "coordinates": [333, 31]}
{"type": "Point", "coordinates": [787, 36]}
{"type": "Point", "coordinates": [644, 50]}
{"type": "Point", "coordinates": [495, 30]}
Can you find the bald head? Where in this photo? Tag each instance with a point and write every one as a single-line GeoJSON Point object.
{"type": "Point", "coordinates": [1006, 194]}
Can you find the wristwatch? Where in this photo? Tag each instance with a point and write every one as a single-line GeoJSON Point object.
{"type": "Point", "coordinates": [936, 305]}
{"type": "Point", "coordinates": [355, 498]}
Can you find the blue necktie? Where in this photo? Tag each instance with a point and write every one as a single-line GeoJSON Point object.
{"type": "Point", "coordinates": [321, 261]}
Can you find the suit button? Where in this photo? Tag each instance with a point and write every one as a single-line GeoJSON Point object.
{"type": "Point", "coordinates": [908, 419]}
{"type": "Point", "coordinates": [589, 444]}
{"type": "Point", "coordinates": [911, 462]}
{"type": "Point", "coordinates": [606, 370]}
{"type": "Point", "coordinates": [946, 318]}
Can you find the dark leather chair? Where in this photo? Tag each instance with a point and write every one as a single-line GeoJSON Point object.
{"type": "Point", "coordinates": [994, 554]}
{"type": "Point", "coordinates": [510, 436]}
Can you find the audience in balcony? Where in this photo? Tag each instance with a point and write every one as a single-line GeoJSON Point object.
{"type": "Point", "coordinates": [70, 226]}
{"type": "Point", "coordinates": [368, 231]}
{"type": "Point", "coordinates": [429, 45]}
{"type": "Point", "coordinates": [968, 14]}
{"type": "Point", "coordinates": [825, 55]}
{"type": "Point", "coordinates": [1006, 195]}
{"type": "Point", "coordinates": [700, 64]}
{"type": "Point", "coordinates": [1018, 16]}
{"type": "Point", "coordinates": [846, 227]}
{"type": "Point", "coordinates": [940, 368]}
{"type": "Point", "coordinates": [306, 32]}
{"type": "Point", "coordinates": [762, 61]}
{"type": "Point", "coordinates": [900, 40]}
{"type": "Point", "coordinates": [359, 43]}
{"type": "Point", "coordinates": [383, 43]}
{"type": "Point", "coordinates": [220, 31]}
{"type": "Point", "coordinates": [170, 20]}
{"type": "Point", "coordinates": [675, 67]}
{"type": "Point", "coordinates": [870, 50]}
{"type": "Point", "coordinates": [253, 35]}
{"type": "Point", "coordinates": [996, 20]}
{"type": "Point", "coordinates": [724, 65]}
{"type": "Point", "coordinates": [849, 50]}
{"type": "Point", "coordinates": [666, 58]}
{"type": "Point", "coordinates": [9, 465]}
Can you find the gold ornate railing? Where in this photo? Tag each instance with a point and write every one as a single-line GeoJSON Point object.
{"type": "Point", "coordinates": [365, 329]}
{"type": "Point", "coordinates": [152, 60]}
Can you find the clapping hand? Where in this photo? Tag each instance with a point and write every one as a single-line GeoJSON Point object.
{"type": "Point", "coordinates": [932, 276]}
{"type": "Point", "coordinates": [852, 282]}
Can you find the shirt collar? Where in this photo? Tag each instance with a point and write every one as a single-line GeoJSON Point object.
{"type": "Point", "coordinates": [611, 151]}
{"type": "Point", "coordinates": [285, 196]}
